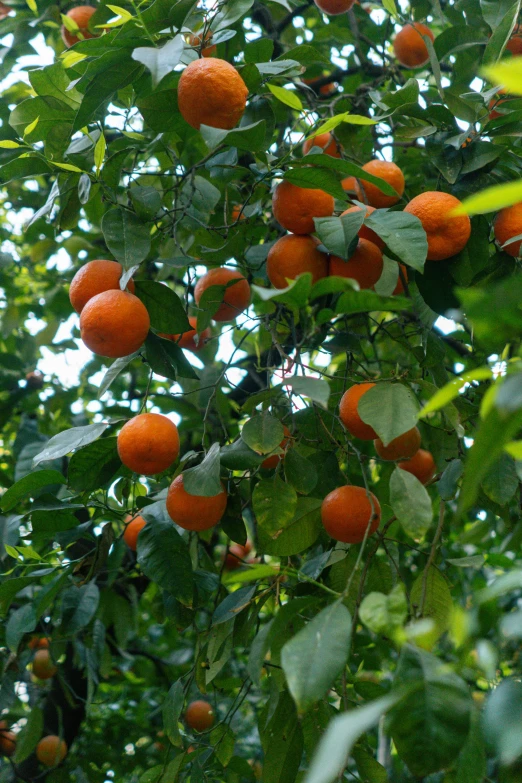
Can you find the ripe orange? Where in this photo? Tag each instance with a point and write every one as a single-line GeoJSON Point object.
{"type": "Point", "coordinates": [187, 340]}
{"type": "Point", "coordinates": [402, 447]}
{"type": "Point", "coordinates": [447, 235]}
{"type": "Point", "coordinates": [7, 740]}
{"type": "Point", "coordinates": [211, 92]}
{"type": "Point", "coordinates": [132, 531]}
{"type": "Point", "coordinates": [497, 102]}
{"type": "Point", "coordinates": [324, 89]}
{"type": "Point", "coordinates": [43, 666]}
{"type": "Point", "coordinates": [114, 324]}
{"type": "Point", "coordinates": [236, 555]}
{"type": "Point", "coordinates": [194, 512]}
{"type": "Point", "coordinates": [508, 224]}
{"type": "Point", "coordinates": [334, 7]}
{"type": "Point", "coordinates": [421, 465]}
{"type": "Point", "coordinates": [295, 208]}
{"type": "Point", "coordinates": [409, 45]}
{"type": "Point", "coordinates": [514, 45]}
{"type": "Point", "coordinates": [292, 255]}
{"type": "Point", "coordinates": [399, 288]}
{"type": "Point", "coordinates": [370, 193]}
{"type": "Point", "coordinates": [237, 213]}
{"type": "Point", "coordinates": [347, 511]}
{"type": "Point", "coordinates": [81, 14]}
{"type": "Point", "coordinates": [364, 231]}
{"type": "Point", "coordinates": [93, 278]}
{"type": "Point", "coordinates": [38, 643]}
{"type": "Point", "coordinates": [199, 715]}
{"type": "Point", "coordinates": [236, 297]}
{"type": "Point", "coordinates": [270, 463]}
{"type": "Point", "coordinates": [207, 51]}
{"type": "Point", "coordinates": [324, 140]}
{"type": "Point", "coordinates": [148, 443]}
{"type": "Point", "coordinates": [349, 414]}
{"type": "Point", "coordinates": [51, 750]}
{"type": "Point", "coordinates": [365, 265]}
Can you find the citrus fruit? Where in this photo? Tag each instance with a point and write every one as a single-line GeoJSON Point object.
{"type": "Point", "coordinates": [334, 7]}
{"type": "Point", "coordinates": [81, 15]}
{"type": "Point", "coordinates": [292, 255]}
{"type": "Point", "coordinates": [447, 235]}
{"type": "Point", "coordinates": [324, 140]}
{"type": "Point", "coordinates": [364, 231]}
{"type": "Point", "coordinates": [132, 531]}
{"type": "Point", "coordinates": [207, 51]}
{"type": "Point", "coordinates": [187, 340]}
{"type": "Point", "coordinates": [43, 666]}
{"type": "Point", "coordinates": [365, 265]}
{"type": "Point", "coordinates": [347, 511]}
{"type": "Point", "coordinates": [421, 465]}
{"type": "Point", "coordinates": [495, 103]}
{"type": "Point", "coordinates": [508, 224]}
{"type": "Point", "coordinates": [410, 47]}
{"type": "Point", "coordinates": [402, 447]}
{"type": "Point", "coordinates": [295, 208]}
{"type": "Point", "coordinates": [51, 750]}
{"type": "Point", "coordinates": [236, 554]}
{"type": "Point", "coordinates": [349, 414]}
{"type": "Point", "coordinates": [194, 512]}
{"type": "Point", "coordinates": [399, 288]}
{"type": "Point", "coordinates": [237, 213]}
{"type": "Point", "coordinates": [199, 715]}
{"type": "Point", "coordinates": [148, 443]}
{"type": "Point", "coordinates": [368, 192]}
{"type": "Point", "coordinates": [271, 462]}
{"type": "Point", "coordinates": [514, 45]}
{"type": "Point", "coordinates": [93, 278]}
{"type": "Point", "coordinates": [236, 297]}
{"type": "Point", "coordinates": [7, 740]}
{"type": "Point", "coordinates": [38, 643]}
{"type": "Point", "coordinates": [211, 92]}
{"type": "Point", "coordinates": [114, 324]}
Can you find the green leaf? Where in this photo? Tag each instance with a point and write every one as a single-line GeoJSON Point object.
{"type": "Point", "coordinates": [314, 658]}
{"type": "Point", "coordinates": [451, 390]}
{"type": "Point", "coordinates": [167, 359]}
{"type": "Point", "coordinates": [164, 558]}
{"type": "Point", "coordinates": [315, 389]}
{"type": "Point", "coordinates": [126, 237]}
{"type": "Point", "coordinates": [434, 715]}
{"type": "Point", "coordinates": [99, 152]}
{"type": "Point", "coordinates": [254, 573]}
{"type": "Point", "coordinates": [390, 408]}
{"type": "Point", "coordinates": [69, 440]}
{"type": "Point", "coordinates": [299, 472]}
{"type": "Point", "coordinates": [230, 13]}
{"type": "Point", "coordinates": [346, 168]}
{"type": "Point", "coordinates": [29, 736]}
{"type": "Point", "coordinates": [114, 370]}
{"type": "Point", "coordinates": [172, 707]}
{"type": "Point", "coordinates": [274, 505]}
{"type": "Point", "coordinates": [321, 179]}
{"type": "Point", "coordinates": [367, 301]}
{"type": "Point", "coordinates": [471, 766]}
{"type": "Point", "coordinates": [259, 51]}
{"type": "Point", "coordinates": [165, 308]}
{"type": "Point", "coordinates": [79, 605]}
{"type": "Point", "coordinates": [403, 234]}
{"type": "Point", "coordinates": [338, 233]}
{"type": "Point", "coordinates": [381, 613]}
{"type": "Point", "coordinates": [288, 97]}
{"type": "Point", "coordinates": [431, 595]}
{"type": "Point", "coordinates": [503, 720]}
{"type": "Point", "coordinates": [282, 742]}
{"type": "Point", "coordinates": [245, 137]}
{"type": "Point", "coordinates": [37, 118]}
{"type": "Point", "coordinates": [160, 61]}
{"type": "Point", "coordinates": [94, 465]}
{"type": "Point", "coordinates": [501, 481]}
{"type": "Point", "coordinates": [295, 295]}
{"type": "Point", "coordinates": [29, 484]}
{"type": "Point", "coordinates": [411, 503]}
{"type": "Point", "coordinates": [300, 533]}
{"type": "Point", "coordinates": [233, 604]}
{"type": "Point", "coordinates": [238, 456]}
{"type": "Point", "coordinates": [263, 433]}
{"type": "Point", "coordinates": [21, 621]}
{"type": "Point", "coordinates": [146, 200]}
{"type": "Point", "coordinates": [370, 771]}
{"type": "Point", "coordinates": [204, 479]}
{"type": "Point", "coordinates": [111, 75]}
{"type": "Point", "coordinates": [501, 35]}
{"type": "Point", "coordinates": [389, 5]}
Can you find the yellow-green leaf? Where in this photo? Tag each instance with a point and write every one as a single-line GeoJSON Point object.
{"type": "Point", "coordinates": [333, 122]}
{"type": "Point", "coordinates": [286, 96]}
{"type": "Point", "coordinates": [514, 448]}
{"type": "Point", "coordinates": [30, 128]}
{"type": "Point", "coordinates": [492, 199]}
{"type": "Point", "coordinates": [451, 389]}
{"type": "Point", "coordinates": [123, 17]}
{"type": "Point", "coordinates": [389, 5]}
{"type": "Point", "coordinates": [69, 24]}
{"type": "Point", "coordinates": [66, 166]}
{"type": "Point", "coordinates": [9, 145]}
{"type": "Point", "coordinates": [99, 152]}
{"type": "Point", "coordinates": [507, 73]}
{"type": "Point", "coordinates": [32, 5]}
{"type": "Point", "coordinates": [71, 58]}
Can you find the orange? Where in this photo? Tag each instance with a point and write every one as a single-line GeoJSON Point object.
{"type": "Point", "coordinates": [364, 231]}
{"type": "Point", "coordinates": [236, 554]}
{"type": "Point", "coordinates": [324, 140]}
{"type": "Point", "coordinates": [207, 51]}
{"type": "Point", "coordinates": [409, 45]}
{"type": "Point", "coordinates": [447, 235]}
{"type": "Point", "coordinates": [349, 415]}
{"type": "Point", "coordinates": [93, 278]}
{"type": "Point", "coordinates": [365, 265]}
{"type": "Point", "coordinates": [495, 103]}
{"type": "Point", "coordinates": [148, 443]}
{"type": "Point", "coordinates": [114, 324]}
{"type": "Point", "coordinates": [7, 740]}
{"type": "Point", "coordinates": [38, 643]}
{"type": "Point", "coordinates": [347, 511]}
{"type": "Point", "coordinates": [324, 89]}
{"type": "Point", "coordinates": [187, 340]}
{"type": "Point", "coordinates": [295, 208]}
{"type": "Point", "coordinates": [421, 465]}
{"type": "Point", "coordinates": [334, 7]}
{"type": "Point", "coordinates": [194, 512]}
{"type": "Point", "coordinates": [199, 715]}
{"type": "Point", "coordinates": [399, 288]}
{"type": "Point", "coordinates": [514, 45]}
{"type": "Point", "coordinates": [81, 14]}
{"type": "Point", "coordinates": [402, 447]}
{"type": "Point", "coordinates": [370, 193]}
{"type": "Point", "coordinates": [270, 463]}
{"type": "Point", "coordinates": [211, 92]}
{"type": "Point", "coordinates": [237, 213]}
{"type": "Point", "coordinates": [508, 224]}
{"type": "Point", "coordinates": [236, 297]}
{"type": "Point", "coordinates": [132, 531]}
{"type": "Point", "coordinates": [293, 255]}
{"type": "Point", "coordinates": [51, 750]}
{"type": "Point", "coordinates": [43, 666]}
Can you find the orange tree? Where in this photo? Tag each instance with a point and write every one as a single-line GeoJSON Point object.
{"type": "Point", "coordinates": [261, 504]}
